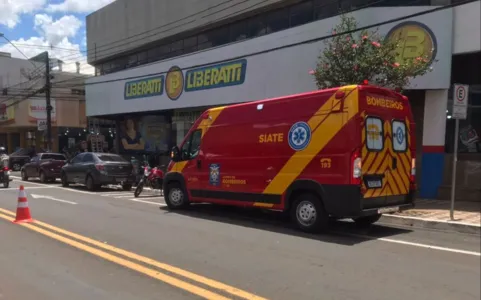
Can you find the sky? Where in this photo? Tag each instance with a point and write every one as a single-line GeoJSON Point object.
{"type": "Point", "coordinates": [58, 26]}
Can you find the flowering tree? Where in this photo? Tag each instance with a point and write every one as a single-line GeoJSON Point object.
{"type": "Point", "coordinates": [362, 55]}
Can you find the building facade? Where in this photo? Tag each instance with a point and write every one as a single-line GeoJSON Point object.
{"type": "Point", "coordinates": [157, 75]}
{"type": "Point", "coordinates": [23, 105]}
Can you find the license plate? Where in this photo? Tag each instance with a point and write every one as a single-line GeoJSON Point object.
{"type": "Point", "coordinates": [386, 210]}
{"type": "Point", "coordinates": [374, 184]}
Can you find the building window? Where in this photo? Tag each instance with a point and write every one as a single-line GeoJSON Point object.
{"type": "Point", "coordinates": [325, 8]}
{"type": "Point", "coordinates": [238, 31]}
{"type": "Point", "coordinates": [301, 14]}
{"type": "Point", "coordinates": [256, 26]}
{"type": "Point", "coordinates": [190, 44]}
{"type": "Point", "coordinates": [277, 20]}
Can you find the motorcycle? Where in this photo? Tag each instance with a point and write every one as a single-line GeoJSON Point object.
{"type": "Point", "coordinates": [5, 173]}
{"type": "Point", "coordinates": [152, 178]}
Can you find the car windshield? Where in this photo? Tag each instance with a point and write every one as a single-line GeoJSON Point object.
{"type": "Point", "coordinates": [53, 156]}
{"type": "Point", "coordinates": [111, 158]}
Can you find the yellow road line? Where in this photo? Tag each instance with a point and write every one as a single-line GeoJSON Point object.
{"type": "Point", "coordinates": [192, 276]}
{"type": "Point", "coordinates": [123, 262]}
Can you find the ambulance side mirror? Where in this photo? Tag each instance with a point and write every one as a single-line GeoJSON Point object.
{"type": "Point", "coordinates": [175, 153]}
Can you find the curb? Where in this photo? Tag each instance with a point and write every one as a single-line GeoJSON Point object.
{"type": "Point", "coordinates": [431, 224]}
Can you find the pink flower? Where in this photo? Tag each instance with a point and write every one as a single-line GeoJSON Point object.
{"type": "Point", "coordinates": [312, 72]}
{"type": "Point", "coordinates": [334, 32]}
{"type": "Point", "coordinates": [376, 44]}
{"type": "Point", "coordinates": [396, 65]}
{"type": "Point", "coordinates": [348, 38]}
{"type": "Point", "coordinates": [354, 46]}
{"type": "Point", "coordinates": [364, 37]}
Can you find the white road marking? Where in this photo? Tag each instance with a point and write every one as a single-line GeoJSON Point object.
{"type": "Point", "coordinates": [30, 187]}
{"type": "Point", "coordinates": [52, 198]}
{"type": "Point", "coordinates": [420, 245]}
{"type": "Point", "coordinates": [124, 196]}
{"type": "Point", "coordinates": [148, 202]}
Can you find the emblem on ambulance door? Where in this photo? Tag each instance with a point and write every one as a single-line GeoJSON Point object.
{"type": "Point", "coordinates": [400, 135]}
{"type": "Point", "coordinates": [299, 136]}
{"type": "Point", "coordinates": [214, 174]}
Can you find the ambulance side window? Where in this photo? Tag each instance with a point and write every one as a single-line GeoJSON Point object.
{"type": "Point", "coordinates": [374, 134]}
{"type": "Point", "coordinates": [399, 136]}
{"type": "Point", "coordinates": [191, 148]}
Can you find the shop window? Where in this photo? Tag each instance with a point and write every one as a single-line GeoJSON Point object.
{"type": "Point", "coordinates": [469, 138]}
{"type": "Point", "coordinates": [301, 14]}
{"type": "Point", "coordinates": [238, 31]}
{"type": "Point", "coordinates": [256, 26]}
{"type": "Point", "coordinates": [277, 20]}
{"type": "Point", "coordinates": [204, 41]}
{"type": "Point", "coordinates": [132, 60]}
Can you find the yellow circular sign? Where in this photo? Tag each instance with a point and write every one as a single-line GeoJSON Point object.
{"type": "Point", "coordinates": [174, 83]}
{"type": "Point", "coordinates": [414, 40]}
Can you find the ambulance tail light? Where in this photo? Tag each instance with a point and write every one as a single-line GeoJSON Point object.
{"type": "Point", "coordinates": [412, 178]}
{"type": "Point", "coordinates": [356, 163]}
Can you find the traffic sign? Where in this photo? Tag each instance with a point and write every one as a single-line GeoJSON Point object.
{"type": "Point", "coordinates": [460, 101]}
{"type": "Point", "coordinates": [41, 125]}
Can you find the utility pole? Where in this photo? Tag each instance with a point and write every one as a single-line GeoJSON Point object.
{"type": "Point", "coordinates": [48, 87]}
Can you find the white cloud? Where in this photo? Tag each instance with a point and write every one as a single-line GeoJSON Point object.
{"type": "Point", "coordinates": [10, 10]}
{"type": "Point", "coordinates": [36, 45]}
{"type": "Point", "coordinates": [78, 6]}
{"type": "Point", "coordinates": [56, 31]}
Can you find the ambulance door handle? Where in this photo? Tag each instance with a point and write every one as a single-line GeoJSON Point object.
{"type": "Point", "coordinates": [199, 163]}
{"type": "Point", "coordinates": [394, 163]}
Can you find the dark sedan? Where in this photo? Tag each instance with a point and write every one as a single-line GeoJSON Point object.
{"type": "Point", "coordinates": [96, 169]}
{"type": "Point", "coordinates": [46, 166]}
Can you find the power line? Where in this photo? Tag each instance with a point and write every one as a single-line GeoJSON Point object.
{"type": "Point", "coordinates": [440, 8]}
{"type": "Point", "coordinates": [20, 51]}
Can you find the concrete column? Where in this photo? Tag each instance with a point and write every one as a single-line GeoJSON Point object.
{"type": "Point", "coordinates": [9, 143]}
{"type": "Point", "coordinates": [434, 133]}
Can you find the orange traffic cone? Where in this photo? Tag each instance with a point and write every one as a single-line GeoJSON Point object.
{"type": "Point", "coordinates": [23, 212]}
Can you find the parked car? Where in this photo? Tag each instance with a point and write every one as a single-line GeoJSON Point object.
{"type": "Point", "coordinates": [19, 158]}
{"type": "Point", "coordinates": [96, 169]}
{"type": "Point", "coordinates": [46, 166]}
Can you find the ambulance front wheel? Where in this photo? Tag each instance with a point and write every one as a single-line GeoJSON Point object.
{"type": "Point", "coordinates": [308, 213]}
{"type": "Point", "coordinates": [176, 196]}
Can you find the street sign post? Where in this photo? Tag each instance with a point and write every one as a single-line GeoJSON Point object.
{"type": "Point", "coordinates": [459, 112]}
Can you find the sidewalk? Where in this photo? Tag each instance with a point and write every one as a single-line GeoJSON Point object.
{"type": "Point", "coordinates": [434, 214]}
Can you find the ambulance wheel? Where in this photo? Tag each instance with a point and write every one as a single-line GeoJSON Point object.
{"type": "Point", "coordinates": [309, 214]}
{"type": "Point", "coordinates": [367, 221]}
{"type": "Point", "coordinates": [176, 196]}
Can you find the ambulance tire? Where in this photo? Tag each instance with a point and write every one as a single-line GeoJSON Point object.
{"type": "Point", "coordinates": [175, 196]}
{"type": "Point", "coordinates": [308, 213]}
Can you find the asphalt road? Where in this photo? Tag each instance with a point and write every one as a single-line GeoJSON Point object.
{"type": "Point", "coordinates": [110, 245]}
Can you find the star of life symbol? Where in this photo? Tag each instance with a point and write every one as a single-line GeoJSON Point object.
{"type": "Point", "coordinates": [399, 135]}
{"type": "Point", "coordinates": [299, 136]}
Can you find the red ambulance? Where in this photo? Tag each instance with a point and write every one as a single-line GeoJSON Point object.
{"type": "Point", "coordinates": [346, 152]}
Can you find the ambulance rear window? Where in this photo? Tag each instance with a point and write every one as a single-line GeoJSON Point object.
{"type": "Point", "coordinates": [374, 134]}
{"type": "Point", "coordinates": [399, 136]}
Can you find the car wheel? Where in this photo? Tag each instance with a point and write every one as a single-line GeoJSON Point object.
{"type": "Point", "coordinates": [367, 221]}
{"type": "Point", "coordinates": [24, 175]}
{"type": "Point", "coordinates": [176, 197]}
{"type": "Point", "coordinates": [43, 178]}
{"type": "Point", "coordinates": [64, 180]}
{"type": "Point", "coordinates": [308, 214]}
{"type": "Point", "coordinates": [90, 184]}
{"type": "Point", "coordinates": [127, 187]}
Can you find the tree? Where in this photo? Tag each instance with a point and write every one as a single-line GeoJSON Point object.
{"type": "Point", "coordinates": [362, 55]}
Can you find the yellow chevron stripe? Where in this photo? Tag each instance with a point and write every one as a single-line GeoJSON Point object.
{"type": "Point", "coordinates": [321, 136]}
